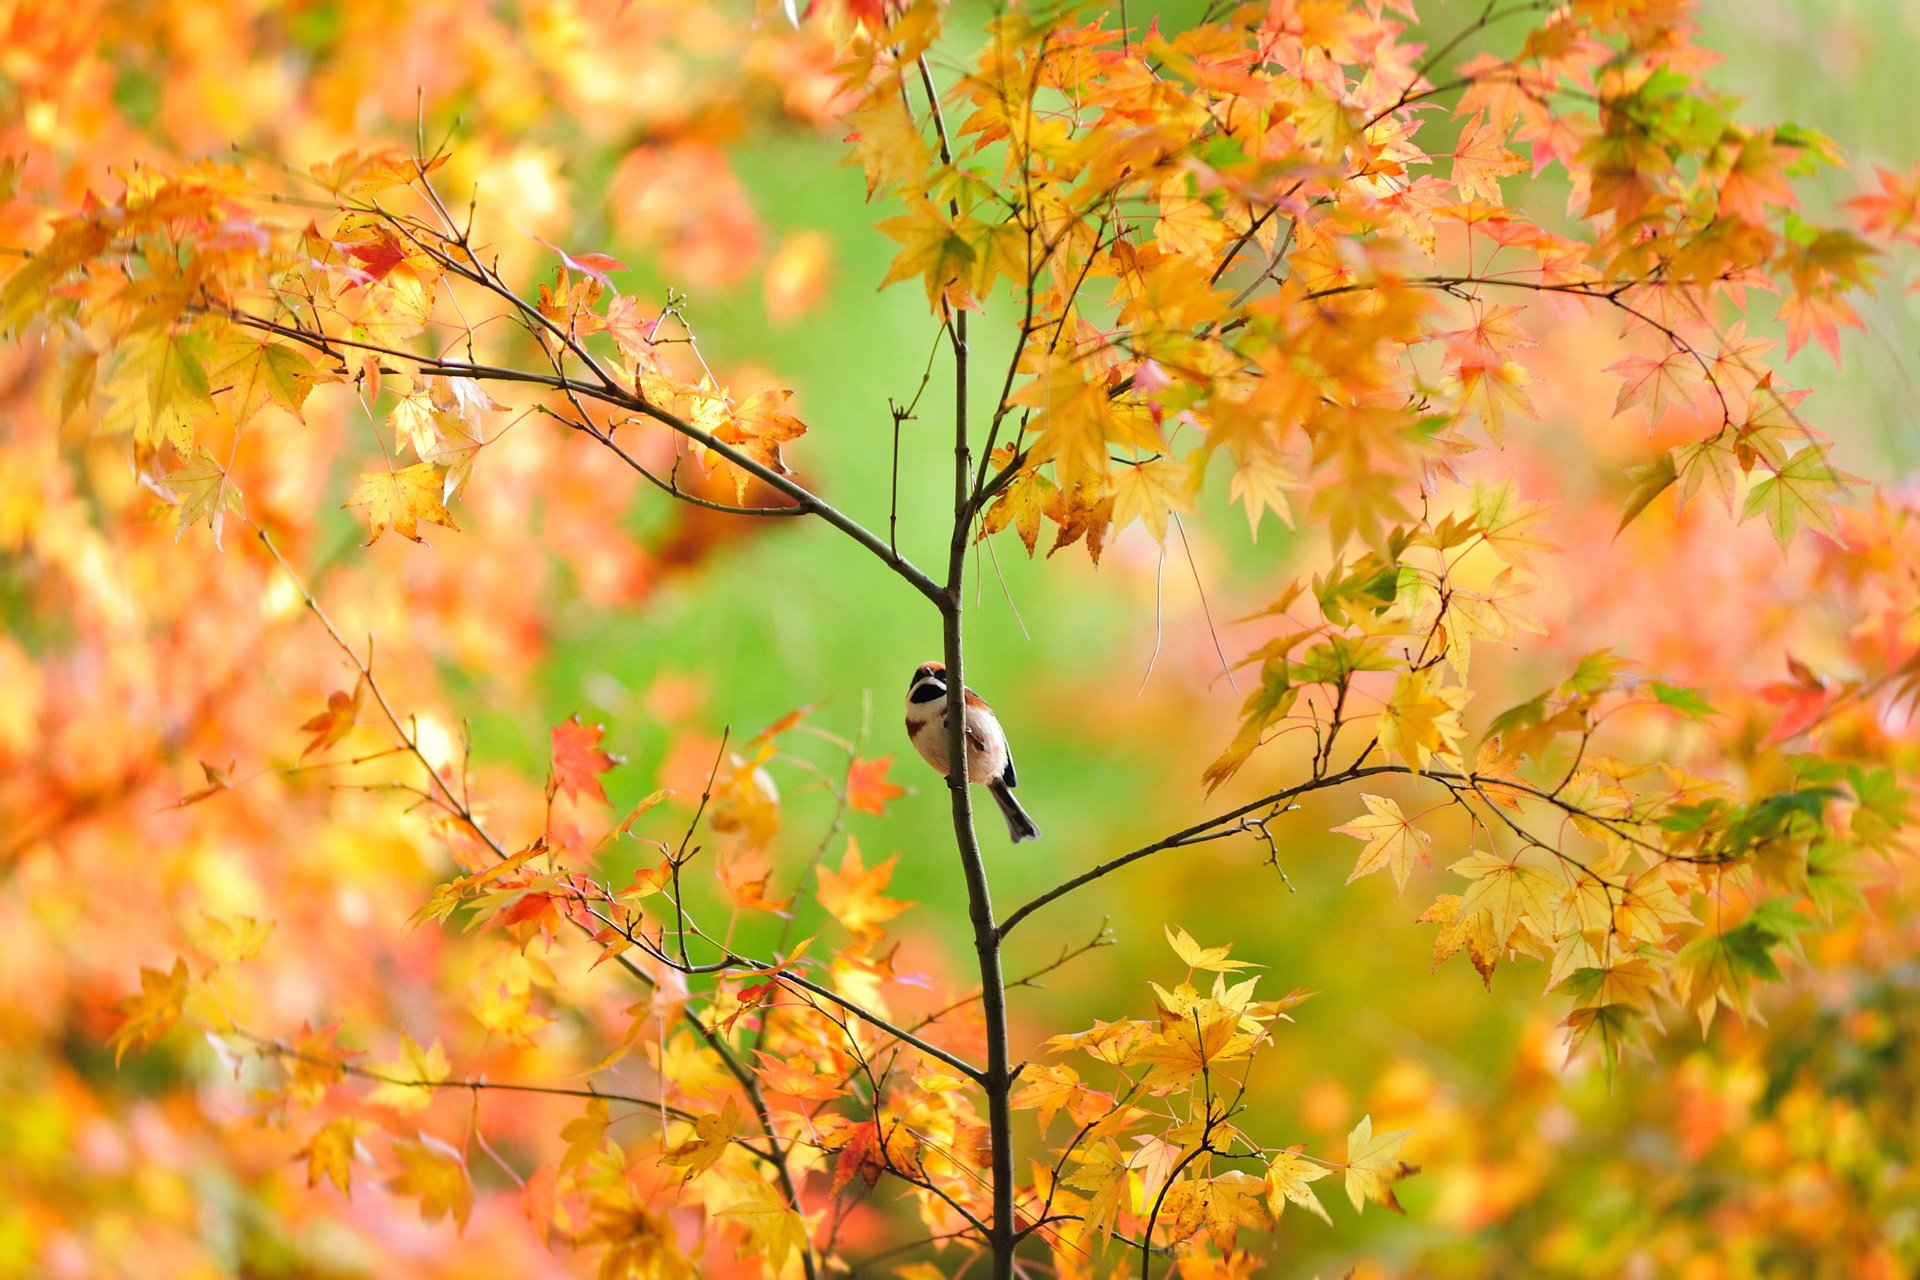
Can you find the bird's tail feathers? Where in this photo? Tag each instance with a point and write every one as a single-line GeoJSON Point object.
{"type": "Point", "coordinates": [1019, 825]}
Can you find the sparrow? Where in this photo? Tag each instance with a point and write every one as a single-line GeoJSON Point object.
{"type": "Point", "coordinates": [988, 759]}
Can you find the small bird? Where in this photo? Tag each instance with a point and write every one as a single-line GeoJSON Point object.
{"type": "Point", "coordinates": [988, 759]}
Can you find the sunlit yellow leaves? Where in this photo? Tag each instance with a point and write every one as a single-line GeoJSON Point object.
{"type": "Point", "coordinates": [435, 1173]}
{"type": "Point", "coordinates": [1472, 933]}
{"type": "Point", "coordinates": [711, 1136]}
{"type": "Point", "coordinates": [1186, 225]}
{"type": "Point", "coordinates": [1073, 420]}
{"type": "Point", "coordinates": [1510, 891]}
{"type": "Point", "coordinates": [1050, 1089]}
{"type": "Point", "coordinates": [401, 500]}
{"type": "Point", "coordinates": [1201, 1033]}
{"type": "Point", "coordinates": [938, 249]}
{"type": "Point", "coordinates": [887, 142]}
{"type": "Point", "coordinates": [1422, 719]}
{"type": "Point", "coordinates": [407, 1084]}
{"type": "Point", "coordinates": [1195, 956]}
{"type": "Point", "coordinates": [205, 492]}
{"type": "Point", "coordinates": [1222, 1204]}
{"type": "Point", "coordinates": [1153, 492]}
{"type": "Point", "coordinates": [359, 174]}
{"type": "Point", "coordinates": [159, 389]}
{"type": "Point", "coordinates": [252, 372]}
{"type": "Point", "coordinates": [773, 1230]}
{"type": "Point", "coordinates": [331, 1151]}
{"type": "Point", "coordinates": [852, 895]}
{"type": "Point", "coordinates": [151, 1014]}
{"type": "Point", "coordinates": [229, 939]}
{"type": "Point", "coordinates": [1260, 484]}
{"type": "Point", "coordinates": [756, 428]}
{"type": "Point", "coordinates": [1373, 1165]}
{"type": "Point", "coordinates": [1289, 1178]}
{"type": "Point", "coordinates": [1391, 841]}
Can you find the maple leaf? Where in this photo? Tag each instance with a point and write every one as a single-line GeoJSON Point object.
{"type": "Point", "coordinates": [887, 142]}
{"type": "Point", "coordinates": [1222, 1204]}
{"type": "Point", "coordinates": [255, 372]}
{"type": "Point", "coordinates": [1290, 1177]}
{"type": "Point", "coordinates": [1649, 482]}
{"type": "Point", "coordinates": [400, 500]}
{"type": "Point", "coordinates": [437, 1174]}
{"type": "Point", "coordinates": [1260, 484]}
{"type": "Point", "coordinates": [1894, 210]}
{"type": "Point", "coordinates": [853, 894]}
{"type": "Point", "coordinates": [1481, 159]}
{"type": "Point", "coordinates": [1511, 891]}
{"type": "Point", "coordinates": [406, 1084]}
{"type": "Point", "coordinates": [151, 1014]}
{"type": "Point", "coordinates": [1195, 956]}
{"type": "Point", "coordinates": [1047, 1088]}
{"type": "Point", "coordinates": [937, 250]}
{"type": "Point", "coordinates": [867, 787]}
{"type": "Point", "coordinates": [218, 780]}
{"type": "Point", "coordinates": [331, 1150]}
{"type": "Point", "coordinates": [1153, 492]}
{"type": "Point", "coordinates": [336, 722]}
{"type": "Point", "coordinates": [232, 938]}
{"type": "Point", "coordinates": [578, 760]}
{"type": "Point", "coordinates": [1391, 841]}
{"type": "Point", "coordinates": [1020, 504]}
{"type": "Point", "coordinates": [773, 1229]}
{"type": "Point", "coordinates": [1798, 491]}
{"type": "Point", "coordinates": [1422, 719]}
{"type": "Point", "coordinates": [711, 1136]}
{"type": "Point", "coordinates": [1472, 933]}
{"type": "Point", "coordinates": [205, 493]}
{"type": "Point", "coordinates": [1372, 1166]}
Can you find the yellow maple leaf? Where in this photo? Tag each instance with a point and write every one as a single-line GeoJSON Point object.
{"type": "Point", "coordinates": [1422, 719]}
{"type": "Point", "coordinates": [773, 1229]}
{"type": "Point", "coordinates": [152, 1013]}
{"type": "Point", "coordinates": [331, 1149]}
{"type": "Point", "coordinates": [406, 1084]}
{"type": "Point", "coordinates": [1195, 956]}
{"type": "Point", "coordinates": [204, 491]}
{"type": "Point", "coordinates": [1391, 841]}
{"type": "Point", "coordinates": [1289, 1177]}
{"type": "Point", "coordinates": [437, 1174]}
{"type": "Point", "coordinates": [1510, 891]}
{"type": "Point", "coordinates": [1373, 1165]}
{"type": "Point", "coordinates": [711, 1135]}
{"type": "Point", "coordinates": [400, 500]}
{"type": "Point", "coordinates": [1152, 491]}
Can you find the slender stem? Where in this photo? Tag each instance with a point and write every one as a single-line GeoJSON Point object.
{"type": "Point", "coordinates": [996, 1080]}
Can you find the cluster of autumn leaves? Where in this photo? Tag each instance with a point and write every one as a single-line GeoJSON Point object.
{"type": "Point", "coordinates": [1237, 248]}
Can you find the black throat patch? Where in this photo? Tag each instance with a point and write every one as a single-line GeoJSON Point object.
{"type": "Point", "coordinates": [927, 691]}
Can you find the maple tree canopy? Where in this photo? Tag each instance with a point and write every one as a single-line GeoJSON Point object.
{"type": "Point", "coordinates": [1443, 351]}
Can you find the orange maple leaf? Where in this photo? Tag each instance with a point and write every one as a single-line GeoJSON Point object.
{"type": "Point", "coordinates": [578, 760]}
{"type": "Point", "coordinates": [867, 787]}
